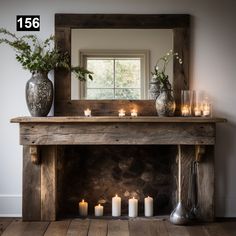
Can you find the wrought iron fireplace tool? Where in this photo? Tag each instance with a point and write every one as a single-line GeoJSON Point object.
{"type": "Point", "coordinates": [179, 215]}
{"type": "Point", "coordinates": [193, 191]}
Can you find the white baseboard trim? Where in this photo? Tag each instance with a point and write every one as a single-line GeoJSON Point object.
{"type": "Point", "coordinates": [10, 205]}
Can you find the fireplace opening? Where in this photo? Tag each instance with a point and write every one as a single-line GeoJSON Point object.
{"type": "Point", "coordinates": [97, 173]}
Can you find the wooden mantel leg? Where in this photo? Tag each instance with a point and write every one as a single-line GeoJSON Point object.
{"type": "Point", "coordinates": [31, 204]}
{"type": "Point", "coordinates": [39, 184]}
{"type": "Point", "coordinates": [206, 178]}
{"type": "Point", "coordinates": [48, 183]}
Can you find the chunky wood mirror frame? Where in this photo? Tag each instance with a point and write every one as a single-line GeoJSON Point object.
{"type": "Point", "coordinates": [180, 24]}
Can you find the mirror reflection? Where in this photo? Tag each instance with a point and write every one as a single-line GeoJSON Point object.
{"type": "Point", "coordinates": [121, 60]}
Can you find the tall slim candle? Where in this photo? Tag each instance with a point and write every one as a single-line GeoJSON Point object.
{"type": "Point", "coordinates": [148, 206]}
{"type": "Point", "coordinates": [116, 206]}
{"type": "Point", "coordinates": [133, 207]}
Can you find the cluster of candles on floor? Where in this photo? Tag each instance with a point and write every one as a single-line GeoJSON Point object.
{"type": "Point", "coordinates": [116, 207]}
{"type": "Point", "coordinates": [121, 113]}
{"type": "Point", "coordinates": [195, 104]}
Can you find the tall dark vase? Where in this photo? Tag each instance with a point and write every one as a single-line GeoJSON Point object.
{"type": "Point", "coordinates": [165, 103]}
{"type": "Point", "coordinates": [39, 94]}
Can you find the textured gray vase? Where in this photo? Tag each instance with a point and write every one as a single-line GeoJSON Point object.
{"type": "Point", "coordinates": [154, 89]}
{"type": "Point", "coordinates": [165, 103]}
{"type": "Point", "coordinates": [39, 94]}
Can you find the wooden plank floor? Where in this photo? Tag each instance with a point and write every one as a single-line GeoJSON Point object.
{"type": "Point", "coordinates": [95, 227]}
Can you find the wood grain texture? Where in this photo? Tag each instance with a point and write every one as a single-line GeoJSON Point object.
{"type": "Point", "coordinates": [181, 71]}
{"type": "Point", "coordinates": [197, 230]}
{"type": "Point", "coordinates": [151, 227]}
{"type": "Point", "coordinates": [118, 228]}
{"type": "Point", "coordinates": [98, 228]}
{"type": "Point", "coordinates": [65, 22]}
{"type": "Point", "coordinates": [49, 183]}
{"type": "Point", "coordinates": [16, 227]}
{"type": "Point", "coordinates": [175, 230]}
{"type": "Point", "coordinates": [31, 209]}
{"type": "Point", "coordinates": [216, 229]}
{"type": "Point", "coordinates": [78, 227]}
{"type": "Point", "coordinates": [3, 225]}
{"type": "Point", "coordinates": [229, 228]}
{"type": "Point", "coordinates": [58, 228]}
{"type": "Point", "coordinates": [147, 228]}
{"type": "Point", "coordinates": [206, 188]}
{"type": "Point", "coordinates": [112, 119]}
{"type": "Point", "coordinates": [147, 21]}
{"type": "Point", "coordinates": [117, 133]}
{"type": "Point", "coordinates": [36, 228]}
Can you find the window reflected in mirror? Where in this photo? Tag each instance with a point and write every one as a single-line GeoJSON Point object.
{"type": "Point", "coordinates": [121, 60]}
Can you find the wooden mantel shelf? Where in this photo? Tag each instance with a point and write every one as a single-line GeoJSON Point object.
{"type": "Point", "coordinates": [112, 130]}
{"type": "Point", "coordinates": [107, 119]}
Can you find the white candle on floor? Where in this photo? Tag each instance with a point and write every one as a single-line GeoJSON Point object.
{"type": "Point", "coordinates": [98, 210]}
{"type": "Point", "coordinates": [148, 206]}
{"type": "Point", "coordinates": [116, 206]}
{"type": "Point", "coordinates": [133, 207]}
{"type": "Point", "coordinates": [83, 208]}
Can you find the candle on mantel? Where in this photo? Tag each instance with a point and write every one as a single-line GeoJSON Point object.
{"type": "Point", "coordinates": [121, 113]}
{"type": "Point", "coordinates": [87, 112]}
{"type": "Point", "coordinates": [83, 208]}
{"type": "Point", "coordinates": [133, 207]}
{"type": "Point", "coordinates": [148, 206]}
{"type": "Point", "coordinates": [185, 111]}
{"type": "Point", "coordinates": [197, 111]}
{"type": "Point", "coordinates": [98, 210]}
{"type": "Point", "coordinates": [116, 206]}
{"type": "Point", "coordinates": [134, 113]}
{"type": "Point", "coordinates": [206, 110]}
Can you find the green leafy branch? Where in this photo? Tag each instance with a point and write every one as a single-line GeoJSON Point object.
{"type": "Point", "coordinates": [37, 56]}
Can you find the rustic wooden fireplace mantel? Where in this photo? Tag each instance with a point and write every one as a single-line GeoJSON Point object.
{"type": "Point", "coordinates": [42, 138]}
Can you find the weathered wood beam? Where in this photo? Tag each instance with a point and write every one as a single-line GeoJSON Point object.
{"type": "Point", "coordinates": [34, 154]}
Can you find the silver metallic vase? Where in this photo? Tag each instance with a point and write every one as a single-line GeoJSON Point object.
{"type": "Point", "coordinates": [39, 94]}
{"type": "Point", "coordinates": [165, 103]}
{"type": "Point", "coordinates": [179, 215]}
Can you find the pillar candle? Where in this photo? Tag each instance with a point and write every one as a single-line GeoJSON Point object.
{"type": "Point", "coordinates": [98, 210]}
{"type": "Point", "coordinates": [83, 208]}
{"type": "Point", "coordinates": [133, 207]}
{"type": "Point", "coordinates": [148, 206]}
{"type": "Point", "coordinates": [116, 206]}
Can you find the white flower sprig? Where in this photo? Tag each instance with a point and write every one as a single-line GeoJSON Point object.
{"type": "Point", "coordinates": [160, 68]}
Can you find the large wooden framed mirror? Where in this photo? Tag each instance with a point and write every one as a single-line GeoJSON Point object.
{"type": "Point", "coordinates": [71, 26]}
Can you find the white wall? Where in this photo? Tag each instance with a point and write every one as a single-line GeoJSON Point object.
{"type": "Point", "coordinates": [213, 68]}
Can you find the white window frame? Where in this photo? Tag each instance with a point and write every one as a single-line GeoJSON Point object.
{"type": "Point", "coordinates": [144, 55]}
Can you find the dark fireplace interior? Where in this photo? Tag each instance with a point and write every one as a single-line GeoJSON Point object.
{"type": "Point", "coordinates": [96, 173]}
